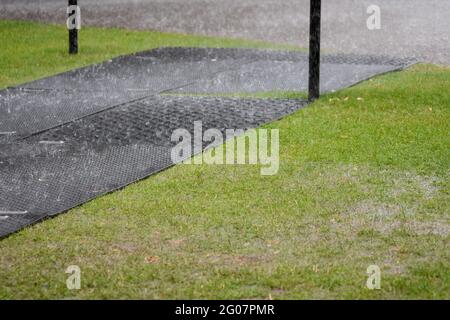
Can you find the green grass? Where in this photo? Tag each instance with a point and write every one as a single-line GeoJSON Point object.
{"type": "Point", "coordinates": [364, 179]}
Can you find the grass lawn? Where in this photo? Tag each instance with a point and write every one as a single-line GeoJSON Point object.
{"type": "Point", "coordinates": [363, 180]}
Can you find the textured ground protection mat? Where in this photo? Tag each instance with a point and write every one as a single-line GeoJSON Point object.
{"type": "Point", "coordinates": [69, 138]}
{"type": "Point", "coordinates": [57, 169]}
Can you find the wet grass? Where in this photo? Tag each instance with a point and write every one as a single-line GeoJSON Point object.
{"type": "Point", "coordinates": [363, 180]}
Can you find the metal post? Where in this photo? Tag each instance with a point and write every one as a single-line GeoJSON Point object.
{"type": "Point", "coordinates": [73, 31]}
{"type": "Point", "coordinates": [314, 50]}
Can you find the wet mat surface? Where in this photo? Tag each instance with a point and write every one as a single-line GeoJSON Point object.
{"type": "Point", "coordinates": [48, 102]}
{"type": "Point", "coordinates": [69, 138]}
{"type": "Point", "coordinates": [57, 169]}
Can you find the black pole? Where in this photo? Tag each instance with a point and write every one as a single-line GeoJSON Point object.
{"type": "Point", "coordinates": [314, 50]}
{"type": "Point", "coordinates": [73, 32]}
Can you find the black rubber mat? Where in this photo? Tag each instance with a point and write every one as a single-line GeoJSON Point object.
{"type": "Point", "coordinates": [175, 54]}
{"type": "Point", "coordinates": [25, 111]}
{"type": "Point", "coordinates": [283, 76]}
{"type": "Point", "coordinates": [69, 138]}
{"type": "Point", "coordinates": [52, 101]}
{"type": "Point", "coordinates": [57, 169]}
